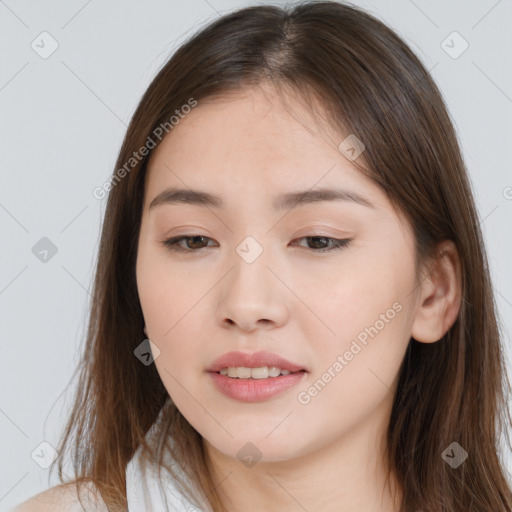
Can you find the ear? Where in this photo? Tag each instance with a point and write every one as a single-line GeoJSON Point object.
{"type": "Point", "coordinates": [145, 331]}
{"type": "Point", "coordinates": [439, 297]}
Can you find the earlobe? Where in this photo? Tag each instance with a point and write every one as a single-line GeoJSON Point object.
{"type": "Point", "coordinates": [440, 296]}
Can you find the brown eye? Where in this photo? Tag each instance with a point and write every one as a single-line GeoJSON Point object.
{"type": "Point", "coordinates": [192, 243]}
{"type": "Point", "coordinates": [324, 243]}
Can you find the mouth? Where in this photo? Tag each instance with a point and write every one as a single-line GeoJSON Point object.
{"type": "Point", "coordinates": [256, 365]}
{"type": "Point", "coordinates": [254, 377]}
{"type": "Point", "coordinates": [259, 373]}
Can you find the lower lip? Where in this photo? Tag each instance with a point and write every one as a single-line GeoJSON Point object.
{"type": "Point", "coordinates": [255, 390]}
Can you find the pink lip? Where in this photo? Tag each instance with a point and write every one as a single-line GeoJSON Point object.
{"type": "Point", "coordinates": [254, 390]}
{"type": "Point", "coordinates": [254, 360]}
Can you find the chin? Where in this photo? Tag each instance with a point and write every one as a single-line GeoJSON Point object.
{"type": "Point", "coordinates": [251, 449]}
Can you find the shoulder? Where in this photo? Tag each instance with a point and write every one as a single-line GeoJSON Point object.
{"type": "Point", "coordinates": [63, 498]}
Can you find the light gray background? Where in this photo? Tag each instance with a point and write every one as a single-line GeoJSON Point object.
{"type": "Point", "coordinates": [62, 120]}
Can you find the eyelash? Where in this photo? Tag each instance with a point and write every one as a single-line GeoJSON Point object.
{"type": "Point", "coordinates": [172, 243]}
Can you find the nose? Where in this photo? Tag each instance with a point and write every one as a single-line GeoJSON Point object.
{"type": "Point", "coordinates": [252, 297]}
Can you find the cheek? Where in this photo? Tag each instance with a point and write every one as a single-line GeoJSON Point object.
{"type": "Point", "coordinates": [171, 303]}
{"type": "Point", "coordinates": [172, 318]}
{"type": "Point", "coordinates": [354, 380]}
{"type": "Point", "coordinates": [356, 301]}
{"type": "Point", "coordinates": [180, 363]}
{"type": "Point", "coordinates": [167, 293]}
{"type": "Point", "coordinates": [364, 336]}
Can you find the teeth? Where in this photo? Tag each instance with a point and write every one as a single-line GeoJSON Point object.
{"type": "Point", "coordinates": [264, 372]}
{"type": "Point", "coordinates": [274, 372]}
{"type": "Point", "coordinates": [242, 373]}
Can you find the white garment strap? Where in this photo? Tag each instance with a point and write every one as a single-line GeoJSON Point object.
{"type": "Point", "coordinates": [145, 494]}
{"type": "Point", "coordinates": [143, 490]}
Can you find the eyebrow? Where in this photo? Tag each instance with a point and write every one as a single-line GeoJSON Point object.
{"type": "Point", "coordinates": [284, 201]}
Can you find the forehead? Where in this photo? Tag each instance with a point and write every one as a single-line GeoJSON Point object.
{"type": "Point", "coordinates": [251, 151]}
{"type": "Point", "coordinates": [250, 141]}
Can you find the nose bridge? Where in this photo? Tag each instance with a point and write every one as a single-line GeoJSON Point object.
{"type": "Point", "coordinates": [250, 270]}
{"type": "Point", "coordinates": [251, 292]}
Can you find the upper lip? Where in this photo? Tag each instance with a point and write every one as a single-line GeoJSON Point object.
{"type": "Point", "coordinates": [253, 360]}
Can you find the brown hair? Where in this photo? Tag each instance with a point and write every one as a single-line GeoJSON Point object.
{"type": "Point", "coordinates": [373, 86]}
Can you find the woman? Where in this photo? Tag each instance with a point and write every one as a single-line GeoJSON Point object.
{"type": "Point", "coordinates": [292, 306]}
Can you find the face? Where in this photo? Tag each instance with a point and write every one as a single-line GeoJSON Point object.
{"type": "Point", "coordinates": [251, 272]}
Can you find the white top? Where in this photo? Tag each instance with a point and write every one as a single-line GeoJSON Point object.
{"type": "Point", "coordinates": [144, 492]}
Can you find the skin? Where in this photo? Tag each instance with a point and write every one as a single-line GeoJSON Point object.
{"type": "Point", "coordinates": [304, 305]}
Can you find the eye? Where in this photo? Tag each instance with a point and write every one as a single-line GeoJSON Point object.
{"type": "Point", "coordinates": [193, 243]}
{"type": "Point", "coordinates": [324, 243]}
